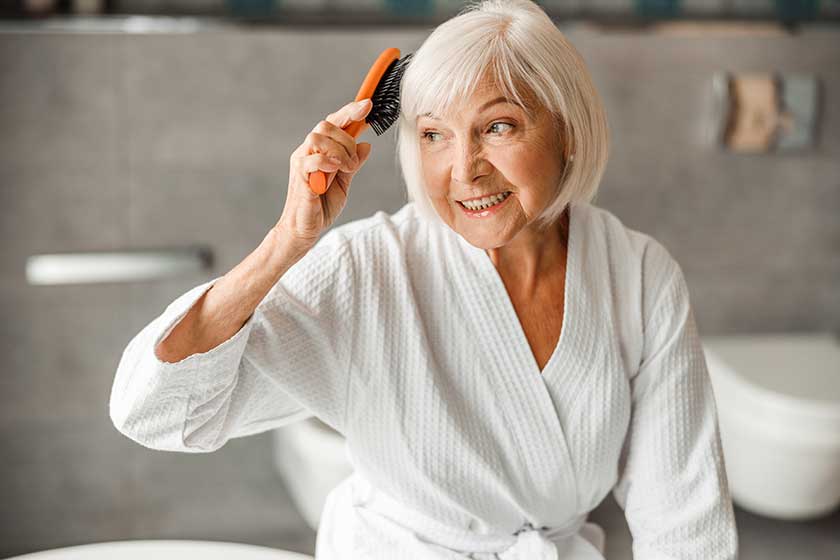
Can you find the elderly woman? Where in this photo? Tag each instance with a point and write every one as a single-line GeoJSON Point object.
{"type": "Point", "coordinates": [499, 353]}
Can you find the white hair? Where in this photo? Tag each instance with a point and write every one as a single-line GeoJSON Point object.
{"type": "Point", "coordinates": [516, 44]}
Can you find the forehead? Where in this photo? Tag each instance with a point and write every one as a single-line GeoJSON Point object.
{"type": "Point", "coordinates": [482, 106]}
{"type": "Point", "coordinates": [485, 97]}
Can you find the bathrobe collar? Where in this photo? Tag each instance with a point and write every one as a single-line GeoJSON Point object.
{"type": "Point", "coordinates": [494, 287]}
{"type": "Point", "coordinates": [522, 390]}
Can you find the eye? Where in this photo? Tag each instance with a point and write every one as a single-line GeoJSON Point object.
{"type": "Point", "coordinates": [501, 124]}
{"type": "Point", "coordinates": [426, 134]}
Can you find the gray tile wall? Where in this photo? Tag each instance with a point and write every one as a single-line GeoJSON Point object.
{"type": "Point", "coordinates": [136, 141]}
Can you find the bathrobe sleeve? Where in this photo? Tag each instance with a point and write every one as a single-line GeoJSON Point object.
{"type": "Point", "coordinates": [672, 481]}
{"type": "Point", "coordinates": [289, 361]}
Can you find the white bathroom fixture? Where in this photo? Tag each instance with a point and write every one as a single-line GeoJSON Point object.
{"type": "Point", "coordinates": [778, 400]}
{"type": "Point", "coordinates": [163, 550]}
{"type": "Point", "coordinates": [311, 459]}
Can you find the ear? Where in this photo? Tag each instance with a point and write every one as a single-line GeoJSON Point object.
{"type": "Point", "coordinates": [564, 133]}
{"type": "Point", "coordinates": [568, 143]}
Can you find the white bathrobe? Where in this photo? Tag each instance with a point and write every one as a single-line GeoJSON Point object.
{"type": "Point", "coordinates": [400, 335]}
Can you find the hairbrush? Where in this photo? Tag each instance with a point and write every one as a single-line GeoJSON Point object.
{"type": "Point", "coordinates": [382, 86]}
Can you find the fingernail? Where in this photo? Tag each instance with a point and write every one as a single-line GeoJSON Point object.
{"type": "Point", "coordinates": [363, 103]}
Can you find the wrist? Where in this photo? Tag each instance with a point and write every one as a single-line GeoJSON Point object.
{"type": "Point", "coordinates": [284, 247]}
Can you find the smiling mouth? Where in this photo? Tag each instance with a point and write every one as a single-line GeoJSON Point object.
{"type": "Point", "coordinates": [479, 203]}
{"type": "Point", "coordinates": [477, 198]}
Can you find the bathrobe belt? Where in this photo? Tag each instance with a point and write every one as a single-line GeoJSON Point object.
{"type": "Point", "coordinates": [421, 534]}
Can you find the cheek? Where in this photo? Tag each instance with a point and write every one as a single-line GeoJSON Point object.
{"type": "Point", "coordinates": [436, 176]}
{"type": "Point", "coordinates": [523, 158]}
{"type": "Point", "coordinates": [534, 169]}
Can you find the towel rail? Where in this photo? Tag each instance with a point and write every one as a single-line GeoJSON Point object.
{"type": "Point", "coordinates": [121, 266]}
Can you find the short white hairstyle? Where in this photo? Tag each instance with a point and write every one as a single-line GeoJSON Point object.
{"type": "Point", "coordinates": [515, 44]}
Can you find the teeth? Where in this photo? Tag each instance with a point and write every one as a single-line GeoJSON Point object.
{"type": "Point", "coordinates": [486, 202]}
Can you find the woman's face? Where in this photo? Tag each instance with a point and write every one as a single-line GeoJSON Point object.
{"type": "Point", "coordinates": [490, 147]}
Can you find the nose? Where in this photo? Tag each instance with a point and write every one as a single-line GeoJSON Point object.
{"type": "Point", "coordinates": [469, 163]}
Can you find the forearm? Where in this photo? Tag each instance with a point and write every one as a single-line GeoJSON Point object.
{"type": "Point", "coordinates": [227, 305]}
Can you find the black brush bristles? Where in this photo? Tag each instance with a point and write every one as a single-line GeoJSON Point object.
{"type": "Point", "coordinates": [386, 97]}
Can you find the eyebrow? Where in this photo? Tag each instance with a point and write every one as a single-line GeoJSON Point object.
{"type": "Point", "coordinates": [483, 107]}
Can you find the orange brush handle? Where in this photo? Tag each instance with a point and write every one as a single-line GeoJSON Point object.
{"type": "Point", "coordinates": [318, 182]}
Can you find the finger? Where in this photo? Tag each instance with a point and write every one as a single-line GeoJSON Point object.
{"type": "Point", "coordinates": [353, 111]}
{"type": "Point", "coordinates": [339, 136]}
{"type": "Point", "coordinates": [356, 111]}
{"type": "Point", "coordinates": [329, 146]}
{"type": "Point", "coordinates": [363, 152]}
{"type": "Point", "coordinates": [313, 164]}
{"type": "Point", "coordinates": [317, 162]}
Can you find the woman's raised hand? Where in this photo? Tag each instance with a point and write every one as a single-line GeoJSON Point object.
{"type": "Point", "coordinates": [332, 150]}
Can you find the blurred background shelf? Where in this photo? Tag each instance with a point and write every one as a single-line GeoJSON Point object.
{"type": "Point", "coordinates": [425, 13]}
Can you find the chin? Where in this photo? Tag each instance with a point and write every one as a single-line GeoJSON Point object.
{"type": "Point", "coordinates": [487, 241]}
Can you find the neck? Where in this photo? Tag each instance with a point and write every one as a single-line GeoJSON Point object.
{"type": "Point", "coordinates": [533, 254]}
